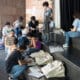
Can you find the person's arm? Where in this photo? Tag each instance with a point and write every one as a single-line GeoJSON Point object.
{"type": "Point", "coordinates": [34, 42]}
{"type": "Point", "coordinates": [74, 29]}
{"type": "Point", "coordinates": [75, 25]}
{"type": "Point", "coordinates": [23, 62]}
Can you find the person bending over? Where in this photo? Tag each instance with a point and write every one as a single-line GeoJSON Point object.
{"type": "Point", "coordinates": [15, 64]}
{"type": "Point", "coordinates": [35, 44]}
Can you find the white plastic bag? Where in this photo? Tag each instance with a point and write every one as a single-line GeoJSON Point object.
{"type": "Point", "coordinates": [54, 69]}
{"type": "Point", "coordinates": [42, 57]}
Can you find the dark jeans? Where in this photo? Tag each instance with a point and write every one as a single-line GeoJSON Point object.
{"type": "Point", "coordinates": [32, 50]}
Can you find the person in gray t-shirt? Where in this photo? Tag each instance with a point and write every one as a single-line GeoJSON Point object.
{"type": "Point", "coordinates": [47, 15]}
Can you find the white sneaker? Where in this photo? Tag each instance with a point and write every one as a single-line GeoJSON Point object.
{"type": "Point", "coordinates": [10, 78]}
{"type": "Point", "coordinates": [65, 45]}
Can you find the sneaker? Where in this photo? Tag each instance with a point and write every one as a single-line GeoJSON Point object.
{"type": "Point", "coordinates": [65, 45]}
{"type": "Point", "coordinates": [10, 78]}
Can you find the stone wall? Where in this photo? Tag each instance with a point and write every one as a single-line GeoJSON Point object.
{"type": "Point", "coordinates": [10, 10]}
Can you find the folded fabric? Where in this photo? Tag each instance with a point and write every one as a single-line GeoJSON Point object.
{"type": "Point", "coordinates": [54, 69]}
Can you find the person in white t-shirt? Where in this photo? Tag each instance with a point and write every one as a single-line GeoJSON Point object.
{"type": "Point", "coordinates": [6, 30]}
{"type": "Point", "coordinates": [17, 24]}
{"type": "Point", "coordinates": [75, 31]}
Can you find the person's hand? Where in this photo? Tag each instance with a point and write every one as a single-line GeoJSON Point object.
{"type": "Point", "coordinates": [73, 30]}
{"type": "Point", "coordinates": [29, 60]}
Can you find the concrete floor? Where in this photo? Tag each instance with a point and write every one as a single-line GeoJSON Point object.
{"type": "Point", "coordinates": [72, 55]}
{"type": "Point", "coordinates": [3, 74]}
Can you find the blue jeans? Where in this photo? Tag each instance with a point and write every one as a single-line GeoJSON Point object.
{"type": "Point", "coordinates": [72, 35]}
{"type": "Point", "coordinates": [17, 70]}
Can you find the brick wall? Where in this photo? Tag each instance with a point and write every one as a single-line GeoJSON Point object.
{"type": "Point", "coordinates": [10, 10]}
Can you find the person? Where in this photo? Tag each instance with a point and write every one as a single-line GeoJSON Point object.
{"type": "Point", "coordinates": [6, 30]}
{"type": "Point", "coordinates": [17, 24]}
{"type": "Point", "coordinates": [9, 43]}
{"type": "Point", "coordinates": [16, 64]}
{"type": "Point", "coordinates": [24, 30]}
{"type": "Point", "coordinates": [75, 31]}
{"type": "Point", "coordinates": [35, 44]}
{"type": "Point", "coordinates": [47, 15]}
{"type": "Point", "coordinates": [33, 23]}
{"type": "Point", "coordinates": [51, 24]}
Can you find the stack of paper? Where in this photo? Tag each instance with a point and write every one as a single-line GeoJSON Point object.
{"type": "Point", "coordinates": [35, 72]}
{"type": "Point", "coordinates": [54, 49]}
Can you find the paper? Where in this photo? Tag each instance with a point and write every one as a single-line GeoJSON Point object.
{"type": "Point", "coordinates": [36, 74]}
{"type": "Point", "coordinates": [55, 49]}
{"type": "Point", "coordinates": [34, 69]}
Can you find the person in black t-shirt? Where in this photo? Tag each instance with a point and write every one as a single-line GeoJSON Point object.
{"type": "Point", "coordinates": [33, 23]}
{"type": "Point", "coordinates": [15, 64]}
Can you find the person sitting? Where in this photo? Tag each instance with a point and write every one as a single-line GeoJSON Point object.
{"type": "Point", "coordinates": [16, 64]}
{"type": "Point", "coordinates": [33, 23]}
{"type": "Point", "coordinates": [35, 44]}
{"type": "Point", "coordinates": [10, 43]}
{"type": "Point", "coordinates": [6, 30]}
{"type": "Point", "coordinates": [24, 30]}
{"type": "Point", "coordinates": [38, 34]}
{"type": "Point", "coordinates": [17, 26]}
{"type": "Point", "coordinates": [75, 31]}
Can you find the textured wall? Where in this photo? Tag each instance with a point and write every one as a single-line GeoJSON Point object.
{"type": "Point", "coordinates": [10, 10]}
{"type": "Point", "coordinates": [35, 8]}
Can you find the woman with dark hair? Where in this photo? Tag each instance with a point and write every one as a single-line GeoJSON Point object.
{"type": "Point", "coordinates": [75, 31]}
{"type": "Point", "coordinates": [33, 23]}
{"type": "Point", "coordinates": [35, 44]}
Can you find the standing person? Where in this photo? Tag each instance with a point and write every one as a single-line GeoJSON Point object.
{"type": "Point", "coordinates": [17, 24]}
{"type": "Point", "coordinates": [47, 15]}
{"type": "Point", "coordinates": [15, 64]}
{"type": "Point", "coordinates": [75, 31]}
{"type": "Point", "coordinates": [33, 23]}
